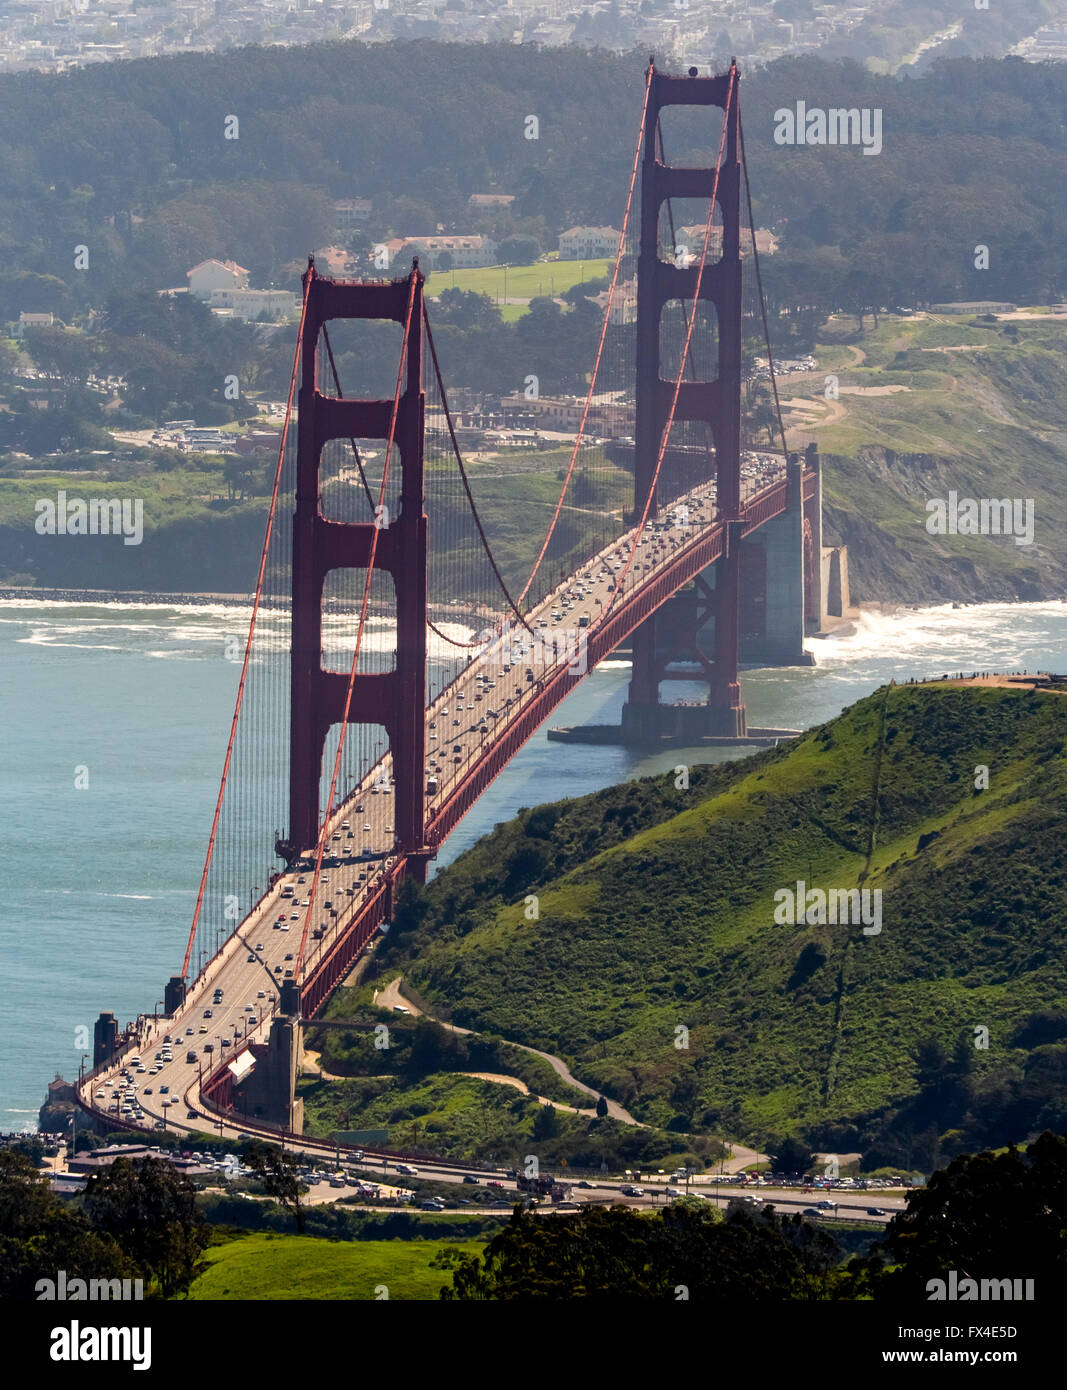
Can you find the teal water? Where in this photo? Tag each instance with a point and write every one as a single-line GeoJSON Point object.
{"type": "Point", "coordinates": [100, 881]}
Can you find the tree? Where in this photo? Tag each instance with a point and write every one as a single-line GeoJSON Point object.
{"type": "Point", "coordinates": [40, 1234]}
{"type": "Point", "coordinates": [601, 1107]}
{"type": "Point", "coordinates": [149, 1209]}
{"type": "Point", "coordinates": [546, 1123]}
{"type": "Point", "coordinates": [62, 353]}
{"type": "Point", "coordinates": [791, 1156]}
{"type": "Point", "coordinates": [277, 1170]}
{"type": "Point", "coordinates": [621, 1253]}
{"type": "Point", "coordinates": [518, 250]}
{"type": "Point", "coordinates": [985, 1216]}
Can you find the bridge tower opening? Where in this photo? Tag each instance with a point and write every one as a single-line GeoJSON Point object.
{"type": "Point", "coordinates": [392, 699]}
{"type": "Point", "coordinates": [662, 639]}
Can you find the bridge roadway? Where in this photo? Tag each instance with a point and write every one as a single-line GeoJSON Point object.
{"type": "Point", "coordinates": [474, 727]}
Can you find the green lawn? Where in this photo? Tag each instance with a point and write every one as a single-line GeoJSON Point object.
{"type": "Point", "coordinates": [304, 1267]}
{"type": "Point", "coordinates": [523, 281]}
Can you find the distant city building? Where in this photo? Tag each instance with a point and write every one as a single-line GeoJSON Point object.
{"type": "Point", "coordinates": [351, 212]}
{"type": "Point", "coordinates": [33, 321]}
{"type": "Point", "coordinates": [386, 252]}
{"type": "Point", "coordinates": [692, 239]}
{"type": "Point", "coordinates": [483, 201]}
{"type": "Point", "coordinates": [588, 243]}
{"type": "Point", "coordinates": [973, 306]}
{"type": "Point", "coordinates": [332, 261]}
{"type": "Point", "coordinates": [216, 275]}
{"type": "Point", "coordinates": [609, 416]}
{"type": "Point", "coordinates": [456, 252]}
{"type": "Point", "coordinates": [623, 302]}
{"type": "Point", "coordinates": [1049, 44]}
{"type": "Point", "coordinates": [252, 304]}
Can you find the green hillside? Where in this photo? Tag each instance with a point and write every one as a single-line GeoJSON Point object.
{"type": "Point", "coordinates": [656, 909]}
{"type": "Point", "coordinates": [928, 405]}
{"type": "Point", "coordinates": [288, 1267]}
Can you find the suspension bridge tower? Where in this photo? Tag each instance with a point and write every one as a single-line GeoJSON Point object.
{"type": "Point", "coordinates": [716, 403]}
{"type": "Point", "coordinates": [392, 699]}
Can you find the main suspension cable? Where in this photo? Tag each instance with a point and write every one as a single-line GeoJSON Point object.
{"type": "Point", "coordinates": [467, 489]}
{"type": "Point", "coordinates": [759, 285]}
{"type": "Point", "coordinates": [252, 623]}
{"type": "Point", "coordinates": [603, 335]}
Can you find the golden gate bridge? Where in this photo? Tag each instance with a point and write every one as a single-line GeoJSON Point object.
{"type": "Point", "coordinates": [393, 666]}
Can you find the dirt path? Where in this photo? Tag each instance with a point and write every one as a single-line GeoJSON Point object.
{"type": "Point", "coordinates": [803, 407]}
{"type": "Point", "coordinates": [740, 1157]}
{"type": "Point", "coordinates": [872, 390]}
{"type": "Point", "coordinates": [521, 1085]}
{"type": "Point", "coordinates": [391, 997]}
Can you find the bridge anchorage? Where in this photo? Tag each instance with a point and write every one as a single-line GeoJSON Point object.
{"type": "Point", "coordinates": [720, 563]}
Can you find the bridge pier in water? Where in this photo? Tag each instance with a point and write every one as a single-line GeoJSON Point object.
{"type": "Point", "coordinates": [703, 626]}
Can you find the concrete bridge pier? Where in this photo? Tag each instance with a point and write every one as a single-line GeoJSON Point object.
{"type": "Point", "coordinates": [774, 601]}
{"type": "Point", "coordinates": [268, 1090]}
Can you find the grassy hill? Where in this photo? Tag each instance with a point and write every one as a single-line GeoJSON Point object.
{"type": "Point", "coordinates": [656, 910]}
{"type": "Point", "coordinates": [288, 1267]}
{"type": "Point", "coordinates": [928, 405]}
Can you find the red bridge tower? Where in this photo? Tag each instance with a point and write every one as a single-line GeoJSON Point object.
{"type": "Point", "coordinates": [717, 402]}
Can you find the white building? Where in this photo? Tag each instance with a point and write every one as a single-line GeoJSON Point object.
{"type": "Point", "coordinates": [466, 252]}
{"type": "Point", "coordinates": [216, 275]}
{"type": "Point", "coordinates": [588, 243]}
{"type": "Point", "coordinates": [251, 304]}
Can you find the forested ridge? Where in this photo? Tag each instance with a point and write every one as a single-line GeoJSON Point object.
{"type": "Point", "coordinates": [132, 160]}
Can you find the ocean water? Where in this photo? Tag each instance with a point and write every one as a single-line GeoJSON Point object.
{"type": "Point", "coordinates": [100, 879]}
